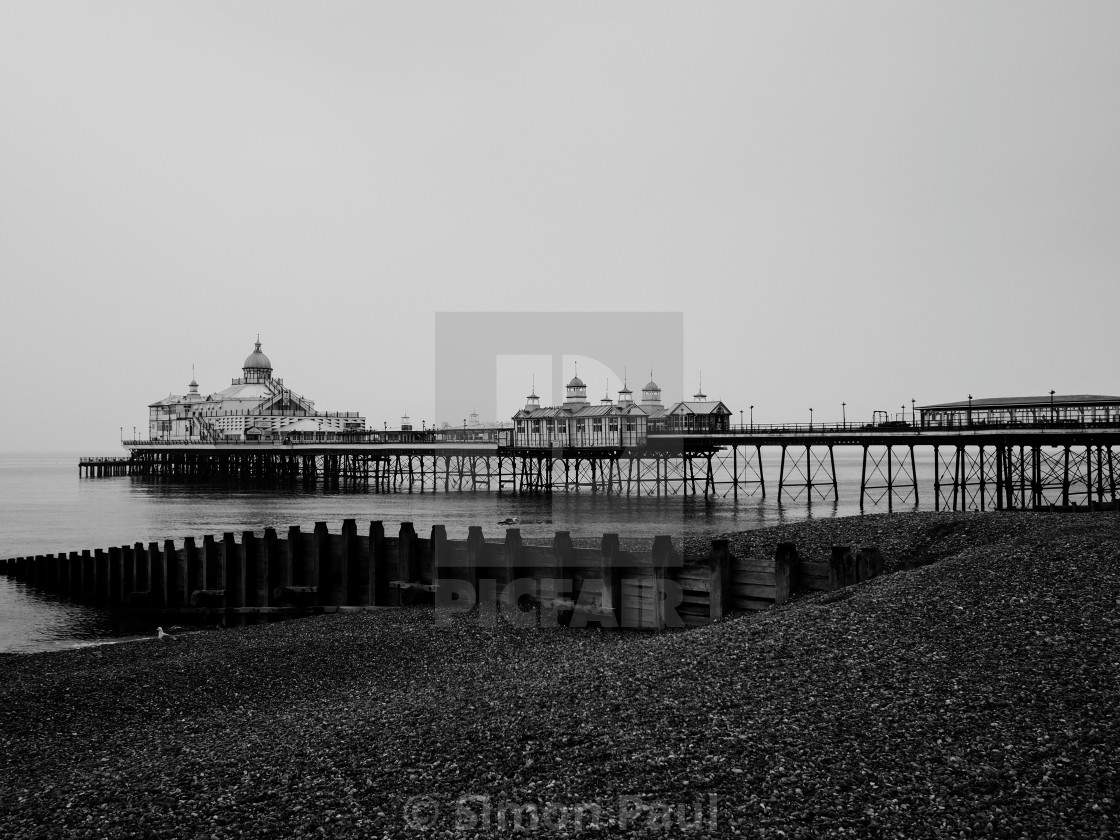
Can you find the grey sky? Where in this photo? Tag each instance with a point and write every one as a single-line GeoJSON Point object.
{"type": "Point", "coordinates": [860, 202]}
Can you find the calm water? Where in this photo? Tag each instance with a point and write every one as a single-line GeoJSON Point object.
{"type": "Point", "coordinates": [45, 508]}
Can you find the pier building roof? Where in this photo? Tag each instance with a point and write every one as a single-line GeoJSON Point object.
{"type": "Point", "coordinates": [1024, 402]}
{"type": "Point", "coordinates": [700, 407]}
{"type": "Point", "coordinates": [257, 360]}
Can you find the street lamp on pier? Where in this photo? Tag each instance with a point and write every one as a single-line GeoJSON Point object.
{"type": "Point", "coordinates": [1052, 418]}
{"type": "Point", "coordinates": [969, 418]}
{"type": "Point", "coordinates": [844, 413]}
{"type": "Point", "coordinates": [740, 418]}
{"type": "Point", "coordinates": [913, 415]}
{"type": "Point", "coordinates": [810, 418]}
{"type": "Point", "coordinates": [752, 418]}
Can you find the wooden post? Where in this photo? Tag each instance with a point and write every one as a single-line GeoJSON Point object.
{"type": "Point", "coordinates": [476, 545]}
{"type": "Point", "coordinates": [116, 576]}
{"type": "Point", "coordinates": [76, 576]}
{"type": "Point", "coordinates": [89, 574]}
{"type": "Point", "coordinates": [157, 575]}
{"type": "Point", "coordinates": [290, 571]}
{"type": "Point", "coordinates": [379, 572]}
{"type": "Point", "coordinates": [561, 585]}
{"type": "Point", "coordinates": [786, 566]}
{"type": "Point", "coordinates": [440, 553]}
{"type": "Point", "coordinates": [861, 567]}
{"type": "Point", "coordinates": [719, 579]}
{"type": "Point", "coordinates": [667, 593]}
{"type": "Point", "coordinates": [325, 565]}
{"type": "Point", "coordinates": [511, 559]}
{"type": "Point", "coordinates": [233, 572]}
{"type": "Point", "coordinates": [128, 572]}
{"type": "Point", "coordinates": [175, 576]}
{"type": "Point", "coordinates": [406, 551]}
{"type": "Point", "coordinates": [211, 564]}
{"type": "Point", "coordinates": [270, 560]}
{"type": "Point", "coordinates": [142, 568]}
{"type": "Point", "coordinates": [612, 582]}
{"type": "Point", "coordinates": [841, 568]}
{"type": "Point", "coordinates": [101, 585]}
{"type": "Point", "coordinates": [344, 590]}
{"type": "Point", "coordinates": [511, 555]}
{"type": "Point", "coordinates": [196, 568]}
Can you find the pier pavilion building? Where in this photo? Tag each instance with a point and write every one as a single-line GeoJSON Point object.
{"type": "Point", "coordinates": [578, 423]}
{"type": "Point", "coordinates": [1048, 409]}
{"type": "Point", "coordinates": [256, 406]}
{"type": "Point", "coordinates": [610, 423]}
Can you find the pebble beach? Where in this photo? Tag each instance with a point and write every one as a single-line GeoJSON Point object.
{"type": "Point", "coordinates": [973, 691]}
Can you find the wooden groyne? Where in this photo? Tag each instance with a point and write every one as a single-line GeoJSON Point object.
{"type": "Point", "coordinates": [263, 577]}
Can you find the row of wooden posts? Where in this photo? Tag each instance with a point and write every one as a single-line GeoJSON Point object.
{"type": "Point", "coordinates": [267, 576]}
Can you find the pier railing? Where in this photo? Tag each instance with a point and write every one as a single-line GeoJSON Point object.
{"type": "Point", "coordinates": [900, 426]}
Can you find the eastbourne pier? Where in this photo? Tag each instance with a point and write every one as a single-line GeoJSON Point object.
{"type": "Point", "coordinates": [1037, 452]}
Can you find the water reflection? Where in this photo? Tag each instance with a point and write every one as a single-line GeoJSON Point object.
{"type": "Point", "coordinates": [32, 621]}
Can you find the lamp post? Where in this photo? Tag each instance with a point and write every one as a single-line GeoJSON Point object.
{"type": "Point", "coordinates": [844, 413]}
{"type": "Point", "coordinates": [913, 416]}
{"type": "Point", "coordinates": [122, 434]}
{"type": "Point", "coordinates": [810, 418]}
{"type": "Point", "coordinates": [1052, 405]}
{"type": "Point", "coordinates": [752, 418]}
{"type": "Point", "coordinates": [740, 418]}
{"type": "Point", "coordinates": [969, 418]}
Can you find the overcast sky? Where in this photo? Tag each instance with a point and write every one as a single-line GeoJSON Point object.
{"type": "Point", "coordinates": [861, 202]}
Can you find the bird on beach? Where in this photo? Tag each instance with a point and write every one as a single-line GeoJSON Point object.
{"type": "Point", "coordinates": [164, 637]}
{"type": "Point", "coordinates": [510, 520]}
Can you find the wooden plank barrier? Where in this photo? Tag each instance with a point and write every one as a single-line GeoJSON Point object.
{"type": "Point", "coordinates": [237, 577]}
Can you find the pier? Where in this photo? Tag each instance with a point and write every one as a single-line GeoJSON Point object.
{"type": "Point", "coordinates": [1035, 452]}
{"type": "Point", "coordinates": [1025, 465]}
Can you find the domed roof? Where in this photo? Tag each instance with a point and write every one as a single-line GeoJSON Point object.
{"type": "Point", "coordinates": [257, 360]}
{"type": "Point", "coordinates": [651, 386]}
{"type": "Point", "coordinates": [576, 383]}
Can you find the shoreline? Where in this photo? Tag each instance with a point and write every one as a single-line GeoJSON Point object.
{"type": "Point", "coordinates": [972, 690]}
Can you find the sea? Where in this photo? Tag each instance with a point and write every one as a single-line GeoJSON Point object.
{"type": "Point", "coordinates": [46, 508]}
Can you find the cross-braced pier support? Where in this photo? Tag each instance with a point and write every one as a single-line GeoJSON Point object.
{"type": "Point", "coordinates": [1036, 477]}
{"type": "Point", "coordinates": [892, 473]}
{"type": "Point", "coordinates": [738, 470]}
{"type": "Point", "coordinates": [807, 472]}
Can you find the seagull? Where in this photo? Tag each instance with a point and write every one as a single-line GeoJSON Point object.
{"type": "Point", "coordinates": [165, 637]}
{"type": "Point", "coordinates": [510, 520]}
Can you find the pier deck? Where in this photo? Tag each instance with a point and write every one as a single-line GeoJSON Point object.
{"type": "Point", "coordinates": [980, 466]}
